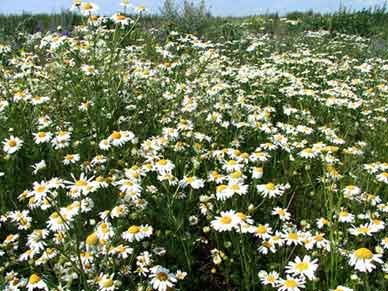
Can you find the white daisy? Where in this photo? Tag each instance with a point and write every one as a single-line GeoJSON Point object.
{"type": "Point", "coordinates": [162, 279]}
{"type": "Point", "coordinates": [228, 221]}
{"type": "Point", "coordinates": [12, 144]}
{"type": "Point", "coordinates": [305, 267]}
{"type": "Point", "coordinates": [362, 259]}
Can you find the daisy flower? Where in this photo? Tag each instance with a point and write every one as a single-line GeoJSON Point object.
{"type": "Point", "coordinates": [263, 231]}
{"type": "Point", "coordinates": [164, 166]}
{"type": "Point", "coordinates": [162, 279]}
{"type": "Point", "coordinates": [308, 153]}
{"type": "Point", "coordinates": [42, 137]}
{"type": "Point", "coordinates": [351, 191]}
{"type": "Point", "coordinates": [71, 159]}
{"type": "Point", "coordinates": [37, 100]}
{"type": "Point", "coordinates": [364, 229]}
{"type": "Point", "coordinates": [259, 156]}
{"type": "Point", "coordinates": [238, 188]}
{"type": "Point", "coordinates": [268, 278]}
{"type": "Point", "coordinates": [121, 251]}
{"type": "Point", "coordinates": [193, 181]}
{"type": "Point", "coordinates": [88, 8]}
{"type": "Point", "coordinates": [345, 216]}
{"type": "Point", "coordinates": [283, 214]}
{"type": "Point", "coordinates": [140, 8]}
{"type": "Point", "coordinates": [12, 144]}
{"type": "Point", "coordinates": [137, 233]}
{"type": "Point", "coordinates": [293, 238]}
{"type": "Point", "coordinates": [231, 166]}
{"type": "Point", "coordinates": [124, 3]}
{"type": "Point", "coordinates": [383, 177]}
{"type": "Point", "coordinates": [384, 242]}
{"type": "Point", "coordinates": [106, 283]}
{"type": "Point", "coordinates": [223, 192]}
{"type": "Point", "coordinates": [214, 176]}
{"type": "Point", "coordinates": [305, 267]}
{"type": "Point", "coordinates": [290, 284]}
{"type": "Point", "coordinates": [104, 144]}
{"type": "Point", "coordinates": [39, 166]}
{"type": "Point", "coordinates": [228, 221]}
{"type": "Point", "coordinates": [36, 282]}
{"type": "Point", "coordinates": [271, 190]}
{"type": "Point", "coordinates": [82, 185]}
{"type": "Point", "coordinates": [257, 172]}
{"type": "Point", "coordinates": [56, 222]}
{"type": "Point", "coordinates": [119, 138]}
{"type": "Point", "coordinates": [180, 275]}
{"type": "Point", "coordinates": [121, 19]}
{"type": "Point", "coordinates": [362, 259]}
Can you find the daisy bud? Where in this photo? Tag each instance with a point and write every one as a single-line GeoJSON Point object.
{"type": "Point", "coordinates": [379, 250]}
{"type": "Point", "coordinates": [206, 229]}
{"type": "Point", "coordinates": [354, 277]}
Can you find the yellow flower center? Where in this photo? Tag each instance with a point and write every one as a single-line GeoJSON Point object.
{"type": "Point", "coordinates": [221, 188]}
{"type": "Point", "coordinates": [293, 236]}
{"type": "Point", "coordinates": [12, 143]}
{"type": "Point", "coordinates": [363, 229]}
{"type": "Point", "coordinates": [140, 8]}
{"type": "Point", "coordinates": [363, 253]}
{"type": "Point", "coordinates": [87, 6]}
{"type": "Point", "coordinates": [134, 229]}
{"type": "Point", "coordinates": [120, 17]}
{"type": "Point", "coordinates": [231, 163]}
{"type": "Point", "coordinates": [235, 187]}
{"type": "Point", "coordinates": [308, 151]}
{"type": "Point", "coordinates": [54, 215]}
{"type": "Point", "coordinates": [9, 237]}
{"type": "Point", "coordinates": [270, 186]}
{"type": "Point", "coordinates": [241, 215]}
{"type": "Point", "coordinates": [116, 135]}
{"type": "Point", "coordinates": [236, 175]}
{"type": "Point", "coordinates": [261, 229]}
{"type": "Point", "coordinates": [162, 276]}
{"type": "Point", "coordinates": [40, 189]}
{"type": "Point", "coordinates": [106, 283]}
{"type": "Point", "coordinates": [91, 240]}
{"type": "Point", "coordinates": [271, 278]}
{"type": "Point", "coordinates": [162, 162]}
{"type": "Point", "coordinates": [226, 219]}
{"type": "Point", "coordinates": [34, 278]}
{"type": "Point", "coordinates": [81, 183]}
{"type": "Point", "coordinates": [290, 283]}
{"type": "Point", "coordinates": [302, 266]}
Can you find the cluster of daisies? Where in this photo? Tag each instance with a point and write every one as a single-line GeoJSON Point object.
{"type": "Point", "coordinates": [126, 165]}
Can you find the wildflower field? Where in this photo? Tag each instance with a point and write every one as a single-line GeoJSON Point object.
{"type": "Point", "coordinates": [134, 160]}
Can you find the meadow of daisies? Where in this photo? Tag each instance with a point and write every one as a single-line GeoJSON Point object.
{"type": "Point", "coordinates": [131, 161]}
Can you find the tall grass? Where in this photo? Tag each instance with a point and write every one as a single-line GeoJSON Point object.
{"type": "Point", "coordinates": [372, 22]}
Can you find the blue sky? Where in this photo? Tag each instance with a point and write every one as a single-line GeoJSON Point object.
{"type": "Point", "coordinates": [217, 7]}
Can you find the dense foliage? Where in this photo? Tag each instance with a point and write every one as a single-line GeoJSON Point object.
{"type": "Point", "coordinates": [138, 159]}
